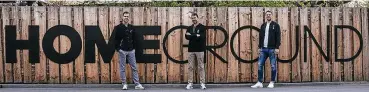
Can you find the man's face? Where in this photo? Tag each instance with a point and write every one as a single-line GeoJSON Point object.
{"type": "Point", "coordinates": [268, 16]}
{"type": "Point", "coordinates": [194, 19]}
{"type": "Point", "coordinates": [126, 18]}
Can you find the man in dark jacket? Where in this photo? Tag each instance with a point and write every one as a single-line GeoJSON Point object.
{"type": "Point", "coordinates": [196, 36]}
{"type": "Point", "coordinates": [125, 45]}
{"type": "Point", "coordinates": [269, 42]}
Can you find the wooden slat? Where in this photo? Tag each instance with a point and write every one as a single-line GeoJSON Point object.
{"type": "Point", "coordinates": [40, 68]}
{"type": "Point", "coordinates": [173, 46]}
{"type": "Point", "coordinates": [296, 68]}
{"type": "Point", "coordinates": [79, 67]}
{"type": "Point", "coordinates": [257, 16]}
{"type": "Point", "coordinates": [65, 45]}
{"type": "Point", "coordinates": [2, 60]}
{"type": "Point", "coordinates": [52, 15]}
{"type": "Point", "coordinates": [316, 56]}
{"type": "Point", "coordinates": [267, 66]}
{"type": "Point", "coordinates": [283, 74]}
{"type": "Point", "coordinates": [161, 68]}
{"type": "Point", "coordinates": [305, 65]}
{"type": "Point", "coordinates": [324, 17]}
{"type": "Point", "coordinates": [138, 19]}
{"type": "Point", "coordinates": [210, 40]}
{"type": "Point", "coordinates": [25, 22]}
{"type": "Point", "coordinates": [17, 67]}
{"type": "Point", "coordinates": [114, 19]}
{"type": "Point", "coordinates": [365, 35]}
{"type": "Point", "coordinates": [221, 67]}
{"type": "Point", "coordinates": [188, 22]}
{"type": "Point", "coordinates": [245, 44]}
{"type": "Point", "coordinates": [90, 18]}
{"type": "Point", "coordinates": [336, 67]}
{"type": "Point", "coordinates": [103, 24]}
{"type": "Point", "coordinates": [232, 61]}
{"type": "Point", "coordinates": [8, 74]}
{"type": "Point", "coordinates": [347, 44]}
{"type": "Point", "coordinates": [358, 63]}
{"type": "Point", "coordinates": [150, 19]}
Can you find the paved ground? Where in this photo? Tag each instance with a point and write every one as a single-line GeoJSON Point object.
{"type": "Point", "coordinates": [211, 88]}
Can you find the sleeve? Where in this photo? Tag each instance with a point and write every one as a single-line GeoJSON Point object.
{"type": "Point", "coordinates": [188, 37]}
{"type": "Point", "coordinates": [278, 35]}
{"type": "Point", "coordinates": [202, 33]}
{"type": "Point", "coordinates": [117, 38]}
{"type": "Point", "coordinates": [134, 38]}
{"type": "Point", "coordinates": [260, 36]}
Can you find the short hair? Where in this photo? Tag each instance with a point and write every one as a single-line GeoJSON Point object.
{"type": "Point", "coordinates": [269, 11]}
{"type": "Point", "coordinates": [195, 14]}
{"type": "Point", "coordinates": [125, 13]}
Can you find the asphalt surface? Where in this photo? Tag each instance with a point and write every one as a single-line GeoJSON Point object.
{"type": "Point", "coordinates": [349, 87]}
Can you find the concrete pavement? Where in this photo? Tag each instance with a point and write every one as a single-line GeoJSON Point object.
{"type": "Point", "coordinates": [280, 87]}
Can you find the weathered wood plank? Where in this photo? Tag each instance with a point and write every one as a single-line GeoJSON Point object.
{"type": "Point", "coordinates": [365, 35]}
{"type": "Point", "coordinates": [138, 19]}
{"type": "Point", "coordinates": [173, 46]}
{"type": "Point", "coordinates": [40, 20]}
{"type": "Point", "coordinates": [221, 67]}
{"type": "Point", "coordinates": [79, 63]}
{"type": "Point", "coordinates": [8, 74]}
{"type": "Point", "coordinates": [305, 64]}
{"type": "Point", "coordinates": [188, 22]}
{"type": "Point", "coordinates": [257, 20]}
{"type": "Point", "coordinates": [54, 74]}
{"type": "Point", "coordinates": [25, 21]}
{"type": "Point", "coordinates": [316, 56]}
{"type": "Point", "coordinates": [357, 63]}
{"type": "Point", "coordinates": [104, 26]}
{"type": "Point", "coordinates": [245, 44]}
{"type": "Point", "coordinates": [161, 70]}
{"type": "Point", "coordinates": [233, 68]}
{"type": "Point", "coordinates": [65, 45]}
{"type": "Point", "coordinates": [210, 40]}
{"type": "Point", "coordinates": [114, 19]}
{"type": "Point", "coordinates": [283, 74]}
{"type": "Point", "coordinates": [347, 44]}
{"type": "Point", "coordinates": [336, 68]}
{"type": "Point", "coordinates": [92, 71]}
{"type": "Point", "coordinates": [325, 21]}
{"type": "Point", "coordinates": [296, 68]}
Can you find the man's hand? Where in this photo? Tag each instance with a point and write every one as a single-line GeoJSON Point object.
{"type": "Point", "coordinates": [198, 35]}
{"type": "Point", "coordinates": [188, 33]}
{"type": "Point", "coordinates": [276, 51]}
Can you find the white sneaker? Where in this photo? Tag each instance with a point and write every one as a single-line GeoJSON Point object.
{"type": "Point", "coordinates": [203, 86]}
{"type": "Point", "coordinates": [271, 85]}
{"type": "Point", "coordinates": [189, 86]}
{"type": "Point", "coordinates": [140, 87]}
{"type": "Point", "coordinates": [125, 87]}
{"type": "Point", "coordinates": [257, 85]}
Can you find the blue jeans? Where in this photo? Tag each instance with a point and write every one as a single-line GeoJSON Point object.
{"type": "Point", "coordinates": [264, 54]}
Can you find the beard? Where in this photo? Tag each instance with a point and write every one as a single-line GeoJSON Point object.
{"type": "Point", "coordinates": [269, 19]}
{"type": "Point", "coordinates": [194, 21]}
{"type": "Point", "coordinates": [125, 20]}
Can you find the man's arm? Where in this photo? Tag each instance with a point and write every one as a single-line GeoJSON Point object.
{"type": "Point", "coordinates": [117, 38]}
{"type": "Point", "coordinates": [278, 36]}
{"type": "Point", "coordinates": [260, 36]}
{"type": "Point", "coordinates": [188, 35]}
{"type": "Point", "coordinates": [202, 34]}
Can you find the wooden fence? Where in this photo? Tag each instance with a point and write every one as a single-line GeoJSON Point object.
{"type": "Point", "coordinates": [314, 68]}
